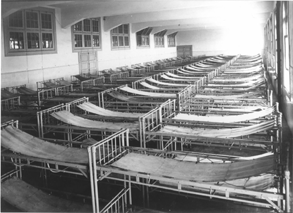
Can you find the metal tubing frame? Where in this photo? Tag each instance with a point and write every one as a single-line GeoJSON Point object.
{"type": "Point", "coordinates": [263, 199]}
{"type": "Point", "coordinates": [114, 145]}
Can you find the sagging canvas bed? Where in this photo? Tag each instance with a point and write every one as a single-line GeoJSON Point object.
{"type": "Point", "coordinates": [92, 108]}
{"type": "Point", "coordinates": [150, 94]}
{"type": "Point", "coordinates": [225, 118]}
{"type": "Point", "coordinates": [215, 133]}
{"type": "Point", "coordinates": [26, 144]}
{"type": "Point", "coordinates": [69, 118]}
{"type": "Point", "coordinates": [203, 172]}
{"type": "Point", "coordinates": [29, 199]}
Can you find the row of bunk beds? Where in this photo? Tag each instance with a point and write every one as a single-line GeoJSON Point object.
{"type": "Point", "coordinates": [207, 128]}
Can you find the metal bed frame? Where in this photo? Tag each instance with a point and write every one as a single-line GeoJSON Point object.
{"type": "Point", "coordinates": [100, 168]}
{"type": "Point", "coordinates": [167, 110]}
{"type": "Point", "coordinates": [87, 83]}
{"type": "Point", "coordinates": [21, 161]}
{"type": "Point", "coordinates": [9, 103]}
{"type": "Point", "coordinates": [60, 89]}
{"type": "Point", "coordinates": [50, 128]}
{"type": "Point", "coordinates": [39, 97]}
{"type": "Point", "coordinates": [108, 102]}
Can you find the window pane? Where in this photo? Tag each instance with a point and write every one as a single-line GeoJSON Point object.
{"type": "Point", "coordinates": [96, 41]}
{"type": "Point", "coordinates": [121, 41]}
{"type": "Point", "coordinates": [126, 41]}
{"type": "Point", "coordinates": [78, 40]}
{"type": "Point", "coordinates": [32, 20]}
{"type": "Point", "coordinates": [16, 40]}
{"type": "Point", "coordinates": [138, 40]}
{"type": "Point", "coordinates": [86, 25]}
{"type": "Point", "coordinates": [114, 41]}
{"type": "Point", "coordinates": [120, 29]}
{"type": "Point", "coordinates": [286, 45]}
{"type": "Point", "coordinates": [95, 25]}
{"type": "Point", "coordinates": [47, 40]}
{"type": "Point", "coordinates": [46, 21]}
{"type": "Point", "coordinates": [77, 27]}
{"type": "Point", "coordinates": [15, 19]}
{"type": "Point", "coordinates": [286, 70]}
{"type": "Point", "coordinates": [87, 40]}
{"type": "Point", "coordinates": [125, 28]}
{"type": "Point", "coordinates": [115, 30]}
{"type": "Point", "coordinates": [33, 40]}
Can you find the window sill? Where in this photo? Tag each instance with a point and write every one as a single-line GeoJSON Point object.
{"type": "Point", "coordinates": [143, 47]}
{"type": "Point", "coordinates": [120, 48]}
{"type": "Point", "coordinates": [86, 49]}
{"type": "Point", "coordinates": [24, 53]}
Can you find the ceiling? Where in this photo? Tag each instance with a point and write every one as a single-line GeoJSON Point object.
{"type": "Point", "coordinates": [173, 15]}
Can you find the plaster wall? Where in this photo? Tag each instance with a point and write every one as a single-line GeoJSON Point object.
{"type": "Point", "coordinates": [234, 40]}
{"type": "Point", "coordinates": [29, 69]}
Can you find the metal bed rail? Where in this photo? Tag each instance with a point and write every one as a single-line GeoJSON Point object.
{"type": "Point", "coordinates": [72, 106]}
{"type": "Point", "coordinates": [44, 118]}
{"type": "Point", "coordinates": [213, 191]}
{"type": "Point", "coordinates": [86, 83]}
{"type": "Point", "coordinates": [10, 103]}
{"type": "Point", "coordinates": [56, 84]}
{"type": "Point", "coordinates": [108, 102]}
{"type": "Point", "coordinates": [150, 66]}
{"type": "Point", "coordinates": [119, 203]}
{"type": "Point", "coordinates": [37, 96]}
{"type": "Point", "coordinates": [104, 153]}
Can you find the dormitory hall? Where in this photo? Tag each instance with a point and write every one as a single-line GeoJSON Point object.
{"type": "Point", "coordinates": [146, 106]}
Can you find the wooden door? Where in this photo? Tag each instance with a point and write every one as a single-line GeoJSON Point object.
{"type": "Point", "coordinates": [184, 51]}
{"type": "Point", "coordinates": [87, 62]}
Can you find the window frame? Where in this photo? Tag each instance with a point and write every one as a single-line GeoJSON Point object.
{"type": "Point", "coordinates": [117, 33]}
{"type": "Point", "coordinates": [170, 37]}
{"type": "Point", "coordinates": [25, 30]}
{"type": "Point", "coordinates": [84, 33]}
{"type": "Point", "coordinates": [159, 39]}
{"type": "Point", "coordinates": [286, 54]}
{"type": "Point", "coordinates": [144, 34]}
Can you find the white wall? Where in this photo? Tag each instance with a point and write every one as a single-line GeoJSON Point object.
{"type": "Point", "coordinates": [235, 40]}
{"type": "Point", "coordinates": [19, 70]}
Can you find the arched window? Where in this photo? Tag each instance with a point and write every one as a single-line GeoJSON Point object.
{"type": "Point", "coordinates": [30, 31]}
{"type": "Point", "coordinates": [86, 34]}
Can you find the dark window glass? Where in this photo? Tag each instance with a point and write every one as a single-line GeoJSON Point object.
{"type": "Point", "coordinates": [87, 40]}
{"type": "Point", "coordinates": [126, 41]}
{"type": "Point", "coordinates": [120, 29]}
{"type": "Point", "coordinates": [15, 19]}
{"type": "Point", "coordinates": [96, 40]}
{"type": "Point", "coordinates": [125, 28]}
{"type": "Point", "coordinates": [77, 40]}
{"type": "Point", "coordinates": [32, 20]}
{"type": "Point", "coordinates": [115, 30]}
{"type": "Point", "coordinates": [77, 27]}
{"type": "Point", "coordinates": [16, 40]}
{"type": "Point", "coordinates": [86, 25]}
{"type": "Point", "coordinates": [46, 21]}
{"type": "Point", "coordinates": [95, 25]}
{"type": "Point", "coordinates": [47, 40]}
{"type": "Point", "coordinates": [114, 41]}
{"type": "Point", "coordinates": [121, 41]}
{"type": "Point", "coordinates": [33, 40]}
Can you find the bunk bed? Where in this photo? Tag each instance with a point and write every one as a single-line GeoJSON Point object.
{"type": "Point", "coordinates": [255, 130]}
{"type": "Point", "coordinates": [163, 170]}
{"type": "Point", "coordinates": [60, 85]}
